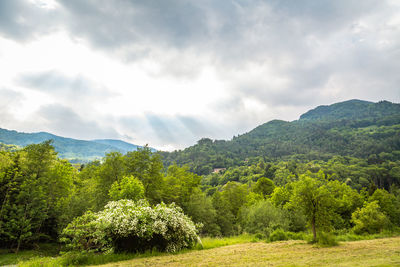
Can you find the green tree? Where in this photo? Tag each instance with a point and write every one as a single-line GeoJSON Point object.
{"type": "Point", "coordinates": [264, 186]}
{"type": "Point", "coordinates": [317, 203]}
{"type": "Point", "coordinates": [369, 219]}
{"type": "Point", "coordinates": [128, 188]}
{"type": "Point", "coordinates": [147, 167]}
{"type": "Point", "coordinates": [110, 171]}
{"type": "Point", "coordinates": [201, 210]}
{"type": "Point", "coordinates": [179, 185]}
{"type": "Point", "coordinates": [388, 204]}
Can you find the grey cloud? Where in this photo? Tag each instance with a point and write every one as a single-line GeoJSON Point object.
{"type": "Point", "coordinates": [195, 126]}
{"type": "Point", "coordinates": [21, 20]}
{"type": "Point", "coordinates": [160, 130]}
{"type": "Point", "coordinates": [64, 121]}
{"type": "Point", "coordinates": [54, 83]}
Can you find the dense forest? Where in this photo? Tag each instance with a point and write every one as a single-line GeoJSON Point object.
{"type": "Point", "coordinates": [335, 170]}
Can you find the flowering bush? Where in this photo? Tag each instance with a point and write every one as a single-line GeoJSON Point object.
{"type": "Point", "coordinates": [135, 226]}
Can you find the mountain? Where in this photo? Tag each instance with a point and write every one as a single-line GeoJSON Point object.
{"type": "Point", "coordinates": [68, 148]}
{"type": "Point", "coordinates": [352, 109]}
{"type": "Point", "coordinates": [352, 128]}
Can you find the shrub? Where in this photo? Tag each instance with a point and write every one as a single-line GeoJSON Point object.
{"type": "Point", "coordinates": [326, 239]}
{"type": "Point", "coordinates": [126, 225]}
{"type": "Point", "coordinates": [84, 233]}
{"type": "Point", "coordinates": [278, 235]}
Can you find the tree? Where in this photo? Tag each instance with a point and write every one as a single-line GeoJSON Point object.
{"type": "Point", "coordinates": [313, 197]}
{"type": "Point", "coordinates": [388, 204]}
{"type": "Point", "coordinates": [201, 210]}
{"type": "Point", "coordinates": [128, 188]}
{"type": "Point", "coordinates": [369, 219]}
{"type": "Point", "coordinates": [112, 170]}
{"type": "Point", "coordinates": [180, 184]}
{"type": "Point", "coordinates": [147, 167]}
{"type": "Point", "coordinates": [264, 186]}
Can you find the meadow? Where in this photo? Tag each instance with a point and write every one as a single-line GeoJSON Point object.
{"type": "Point", "coordinates": [377, 252]}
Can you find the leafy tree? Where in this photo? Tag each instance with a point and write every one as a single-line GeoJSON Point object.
{"type": "Point", "coordinates": [201, 210]}
{"type": "Point", "coordinates": [110, 171]}
{"type": "Point", "coordinates": [147, 167]}
{"type": "Point", "coordinates": [317, 203]}
{"type": "Point", "coordinates": [128, 188]}
{"type": "Point", "coordinates": [264, 186]}
{"type": "Point", "coordinates": [180, 184]}
{"type": "Point", "coordinates": [388, 204]}
{"type": "Point", "coordinates": [347, 200]}
{"type": "Point", "coordinates": [263, 217]}
{"type": "Point", "coordinates": [369, 219]}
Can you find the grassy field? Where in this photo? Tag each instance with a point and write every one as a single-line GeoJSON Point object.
{"type": "Point", "coordinates": [378, 252]}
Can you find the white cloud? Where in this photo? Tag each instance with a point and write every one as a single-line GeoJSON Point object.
{"type": "Point", "coordinates": [170, 73]}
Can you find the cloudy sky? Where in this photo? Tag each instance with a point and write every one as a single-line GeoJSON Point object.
{"type": "Point", "coordinates": [170, 72]}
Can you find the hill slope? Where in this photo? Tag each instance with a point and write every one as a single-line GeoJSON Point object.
{"type": "Point", "coordinates": [352, 128]}
{"type": "Point", "coordinates": [68, 148]}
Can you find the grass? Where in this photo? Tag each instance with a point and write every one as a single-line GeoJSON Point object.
{"type": "Point", "coordinates": [96, 259]}
{"type": "Point", "coordinates": [212, 242]}
{"type": "Point", "coordinates": [8, 257]}
{"type": "Point", "coordinates": [247, 246]}
{"type": "Point", "coordinates": [378, 252]}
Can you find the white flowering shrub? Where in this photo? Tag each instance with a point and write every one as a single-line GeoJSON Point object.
{"type": "Point", "coordinates": [135, 226]}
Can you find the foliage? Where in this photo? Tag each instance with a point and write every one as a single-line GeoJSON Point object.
{"type": "Point", "coordinates": [128, 188]}
{"type": "Point", "coordinates": [369, 219]}
{"type": "Point", "coordinates": [312, 196]}
{"type": "Point", "coordinates": [34, 191]}
{"type": "Point", "coordinates": [264, 186]}
{"type": "Point", "coordinates": [84, 233]}
{"type": "Point", "coordinates": [278, 235]}
{"type": "Point", "coordinates": [263, 217]}
{"type": "Point", "coordinates": [326, 240]}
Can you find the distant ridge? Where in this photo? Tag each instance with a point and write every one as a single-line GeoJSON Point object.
{"type": "Point", "coordinates": [68, 148]}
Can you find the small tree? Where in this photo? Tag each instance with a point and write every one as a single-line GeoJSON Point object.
{"type": "Point", "coordinates": [369, 219]}
{"type": "Point", "coordinates": [312, 196]}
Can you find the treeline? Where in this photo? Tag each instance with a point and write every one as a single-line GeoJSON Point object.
{"type": "Point", "coordinates": [40, 195]}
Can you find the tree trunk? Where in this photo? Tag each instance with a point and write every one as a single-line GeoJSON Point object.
{"type": "Point", "coordinates": [313, 229]}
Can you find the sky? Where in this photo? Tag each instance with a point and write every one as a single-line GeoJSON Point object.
{"type": "Point", "coordinates": [167, 73]}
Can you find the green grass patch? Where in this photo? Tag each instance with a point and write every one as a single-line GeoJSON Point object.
{"type": "Point", "coordinates": [215, 242]}
{"type": "Point", "coordinates": [80, 258]}
{"type": "Point", "coordinates": [349, 236]}
{"type": "Point", "coordinates": [8, 257]}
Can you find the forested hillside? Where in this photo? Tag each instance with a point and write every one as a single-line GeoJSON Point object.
{"type": "Point", "coordinates": [311, 179]}
{"type": "Point", "coordinates": [68, 148]}
{"type": "Point", "coordinates": [352, 128]}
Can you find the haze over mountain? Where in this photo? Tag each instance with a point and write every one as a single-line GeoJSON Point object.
{"type": "Point", "coordinates": [72, 149]}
